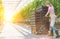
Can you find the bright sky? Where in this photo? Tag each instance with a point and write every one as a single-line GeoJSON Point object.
{"type": "Point", "coordinates": [13, 6]}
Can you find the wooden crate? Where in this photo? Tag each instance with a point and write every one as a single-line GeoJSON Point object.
{"type": "Point", "coordinates": [39, 23]}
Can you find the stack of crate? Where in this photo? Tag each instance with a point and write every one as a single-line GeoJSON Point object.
{"type": "Point", "coordinates": [32, 23]}
{"type": "Point", "coordinates": [39, 23]}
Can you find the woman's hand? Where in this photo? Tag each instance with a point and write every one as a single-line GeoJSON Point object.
{"type": "Point", "coordinates": [45, 15]}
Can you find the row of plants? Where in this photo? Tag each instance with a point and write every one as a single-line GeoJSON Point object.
{"type": "Point", "coordinates": [26, 11]}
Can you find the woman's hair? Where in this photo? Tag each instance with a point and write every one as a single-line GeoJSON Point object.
{"type": "Point", "coordinates": [48, 3]}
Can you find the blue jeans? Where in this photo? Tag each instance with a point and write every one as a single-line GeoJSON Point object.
{"type": "Point", "coordinates": [53, 28]}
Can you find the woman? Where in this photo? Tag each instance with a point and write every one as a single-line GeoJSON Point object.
{"type": "Point", "coordinates": [52, 18]}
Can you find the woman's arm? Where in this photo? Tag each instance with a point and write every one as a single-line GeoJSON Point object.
{"type": "Point", "coordinates": [47, 13]}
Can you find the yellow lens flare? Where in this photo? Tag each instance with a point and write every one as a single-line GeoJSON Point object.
{"type": "Point", "coordinates": [1, 13]}
{"type": "Point", "coordinates": [10, 8]}
{"type": "Point", "coordinates": [16, 18]}
{"type": "Point", "coordinates": [8, 15]}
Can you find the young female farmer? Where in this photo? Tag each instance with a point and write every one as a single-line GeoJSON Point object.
{"type": "Point", "coordinates": [52, 18]}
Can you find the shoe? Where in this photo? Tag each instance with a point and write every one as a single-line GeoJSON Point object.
{"type": "Point", "coordinates": [57, 36]}
{"type": "Point", "coordinates": [50, 33]}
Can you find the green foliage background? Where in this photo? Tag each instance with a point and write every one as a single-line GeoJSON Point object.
{"type": "Point", "coordinates": [31, 7]}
